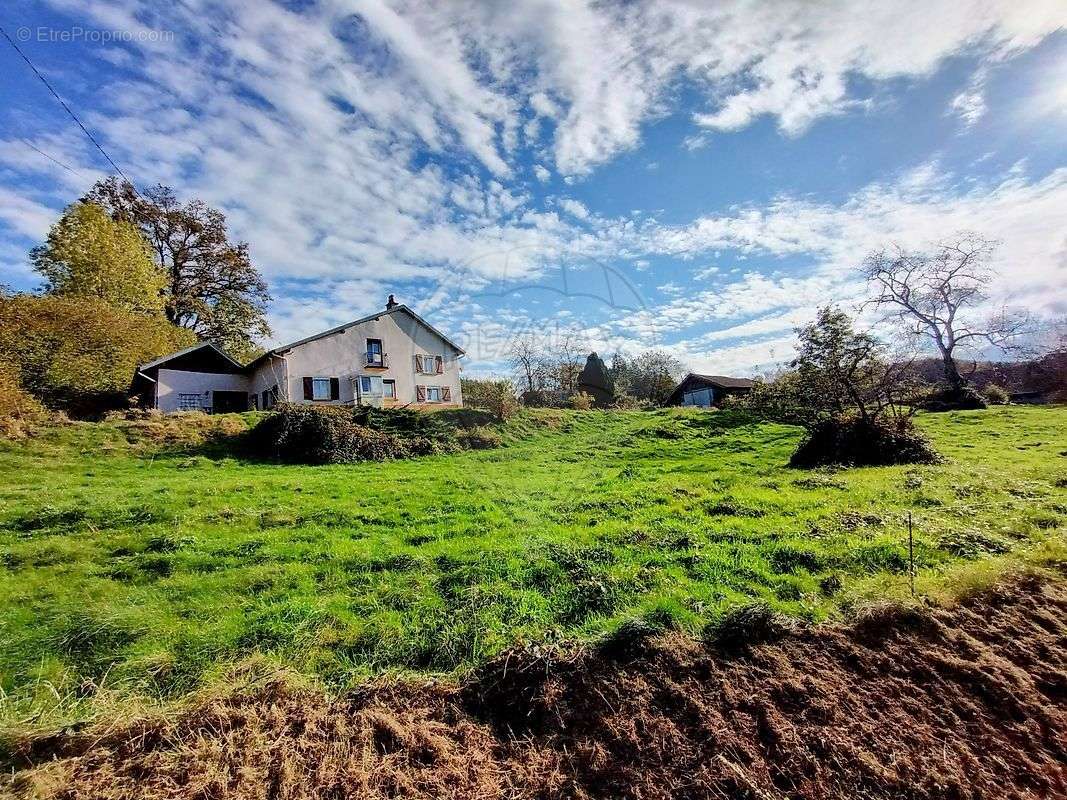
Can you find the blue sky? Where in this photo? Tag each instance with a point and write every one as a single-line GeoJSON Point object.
{"type": "Point", "coordinates": [636, 175]}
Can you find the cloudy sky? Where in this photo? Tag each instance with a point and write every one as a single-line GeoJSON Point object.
{"type": "Point", "coordinates": [695, 176]}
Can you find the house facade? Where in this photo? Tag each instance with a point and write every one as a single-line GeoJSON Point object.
{"type": "Point", "coordinates": [707, 390]}
{"type": "Point", "coordinates": [391, 358]}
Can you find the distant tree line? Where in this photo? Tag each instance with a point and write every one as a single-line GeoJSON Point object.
{"type": "Point", "coordinates": [549, 373]}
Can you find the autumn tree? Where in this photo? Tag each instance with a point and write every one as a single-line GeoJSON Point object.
{"type": "Point", "coordinates": [939, 294]}
{"type": "Point", "coordinates": [212, 287]}
{"type": "Point", "coordinates": [88, 254]}
{"type": "Point", "coordinates": [79, 350]}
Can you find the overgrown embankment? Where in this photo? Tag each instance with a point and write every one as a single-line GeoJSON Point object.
{"type": "Point", "coordinates": [963, 701]}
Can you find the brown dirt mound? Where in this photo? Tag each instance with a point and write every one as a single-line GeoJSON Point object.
{"type": "Point", "coordinates": [967, 702]}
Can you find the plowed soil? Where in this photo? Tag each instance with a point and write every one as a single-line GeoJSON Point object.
{"type": "Point", "coordinates": [961, 702]}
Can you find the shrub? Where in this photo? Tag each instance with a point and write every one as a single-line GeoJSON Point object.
{"type": "Point", "coordinates": [581, 401]}
{"type": "Point", "coordinates": [963, 399]}
{"type": "Point", "coordinates": [321, 435]}
{"type": "Point", "coordinates": [404, 422]}
{"type": "Point", "coordinates": [304, 434]}
{"type": "Point", "coordinates": [70, 350]}
{"type": "Point", "coordinates": [995, 394]}
{"type": "Point", "coordinates": [18, 410]}
{"type": "Point", "coordinates": [495, 396]}
{"type": "Point", "coordinates": [860, 442]}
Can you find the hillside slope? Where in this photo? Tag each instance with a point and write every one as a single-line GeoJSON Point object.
{"type": "Point", "coordinates": [137, 563]}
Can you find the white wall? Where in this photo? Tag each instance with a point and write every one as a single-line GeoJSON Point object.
{"type": "Point", "coordinates": [271, 373]}
{"type": "Point", "coordinates": [342, 355]}
{"type": "Point", "coordinates": [172, 382]}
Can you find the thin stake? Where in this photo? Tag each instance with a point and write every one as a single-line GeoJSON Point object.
{"type": "Point", "coordinates": [911, 556]}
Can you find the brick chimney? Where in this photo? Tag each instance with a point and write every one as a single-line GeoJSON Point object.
{"type": "Point", "coordinates": [391, 304]}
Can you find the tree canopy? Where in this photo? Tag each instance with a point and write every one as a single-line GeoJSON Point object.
{"type": "Point", "coordinates": [87, 254]}
{"type": "Point", "coordinates": [212, 287]}
{"type": "Point", "coordinates": [68, 347]}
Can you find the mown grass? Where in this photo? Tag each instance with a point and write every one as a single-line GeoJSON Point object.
{"type": "Point", "coordinates": [131, 562]}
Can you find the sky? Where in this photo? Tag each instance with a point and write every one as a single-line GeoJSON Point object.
{"type": "Point", "coordinates": [696, 177]}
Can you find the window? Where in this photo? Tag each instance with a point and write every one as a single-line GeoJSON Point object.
{"type": "Point", "coordinates": [189, 402]}
{"type": "Point", "coordinates": [389, 389]}
{"type": "Point", "coordinates": [433, 394]}
{"type": "Point", "coordinates": [269, 397]}
{"type": "Point", "coordinates": [375, 358]}
{"type": "Point", "coordinates": [429, 365]}
{"type": "Point", "coordinates": [320, 388]}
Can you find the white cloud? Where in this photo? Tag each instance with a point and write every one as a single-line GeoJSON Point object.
{"type": "Point", "coordinates": [574, 208]}
{"type": "Point", "coordinates": [970, 105]}
{"type": "Point", "coordinates": [367, 144]}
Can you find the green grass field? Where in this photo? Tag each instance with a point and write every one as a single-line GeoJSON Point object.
{"type": "Point", "coordinates": [129, 563]}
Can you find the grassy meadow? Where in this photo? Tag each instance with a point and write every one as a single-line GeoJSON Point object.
{"type": "Point", "coordinates": [133, 563]}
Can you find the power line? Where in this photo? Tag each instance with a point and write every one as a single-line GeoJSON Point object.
{"type": "Point", "coordinates": [66, 108]}
{"type": "Point", "coordinates": [32, 146]}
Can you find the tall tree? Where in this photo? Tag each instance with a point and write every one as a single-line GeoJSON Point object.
{"type": "Point", "coordinates": [212, 287]}
{"type": "Point", "coordinates": [88, 254]}
{"type": "Point", "coordinates": [649, 376]}
{"type": "Point", "coordinates": [939, 293]}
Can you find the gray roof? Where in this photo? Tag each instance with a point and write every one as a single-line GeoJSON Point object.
{"type": "Point", "coordinates": [722, 381]}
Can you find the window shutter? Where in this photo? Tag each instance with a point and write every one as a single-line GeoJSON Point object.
{"type": "Point", "coordinates": [440, 364]}
{"type": "Point", "coordinates": [335, 388]}
{"type": "Point", "coordinates": [418, 364]}
{"type": "Point", "coordinates": [446, 394]}
{"type": "Point", "coordinates": [420, 394]}
{"type": "Point", "coordinates": [309, 389]}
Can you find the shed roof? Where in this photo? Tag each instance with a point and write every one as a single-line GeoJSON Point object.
{"type": "Point", "coordinates": [718, 381]}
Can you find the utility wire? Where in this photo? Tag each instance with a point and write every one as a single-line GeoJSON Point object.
{"type": "Point", "coordinates": [32, 146]}
{"type": "Point", "coordinates": [66, 108]}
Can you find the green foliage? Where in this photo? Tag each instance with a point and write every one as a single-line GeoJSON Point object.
{"type": "Point", "coordinates": [87, 254]}
{"type": "Point", "coordinates": [136, 559]}
{"type": "Point", "coordinates": [649, 377]}
{"type": "Point", "coordinates": [852, 400]}
{"type": "Point", "coordinates": [496, 396]}
{"type": "Point", "coordinates": [212, 288]}
{"type": "Point", "coordinates": [66, 347]}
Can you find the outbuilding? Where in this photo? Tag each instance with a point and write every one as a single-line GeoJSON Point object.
{"type": "Point", "coordinates": [707, 390]}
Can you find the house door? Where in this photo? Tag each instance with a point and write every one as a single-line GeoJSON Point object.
{"type": "Point", "coordinates": [228, 402]}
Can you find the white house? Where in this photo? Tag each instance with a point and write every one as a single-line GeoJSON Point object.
{"type": "Point", "coordinates": [391, 358]}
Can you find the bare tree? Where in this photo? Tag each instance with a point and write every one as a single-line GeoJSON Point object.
{"type": "Point", "coordinates": [939, 294]}
{"type": "Point", "coordinates": [526, 359]}
{"type": "Point", "coordinates": [568, 357]}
